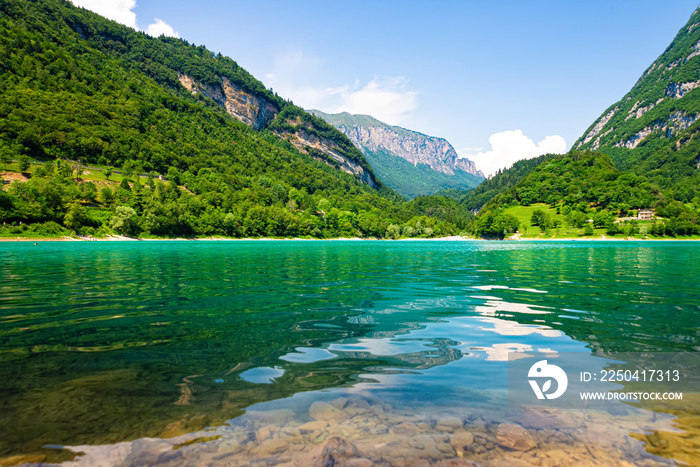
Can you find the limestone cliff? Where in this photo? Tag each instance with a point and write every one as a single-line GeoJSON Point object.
{"type": "Point", "coordinates": [252, 110]}
{"type": "Point", "coordinates": [321, 141]}
{"type": "Point", "coordinates": [307, 142]}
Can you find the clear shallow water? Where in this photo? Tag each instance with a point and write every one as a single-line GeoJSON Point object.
{"type": "Point", "coordinates": [106, 343]}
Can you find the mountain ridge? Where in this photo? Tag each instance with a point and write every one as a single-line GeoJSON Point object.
{"type": "Point", "coordinates": [390, 149]}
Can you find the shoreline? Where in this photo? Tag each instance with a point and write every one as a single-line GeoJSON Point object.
{"type": "Point", "coordinates": [121, 238]}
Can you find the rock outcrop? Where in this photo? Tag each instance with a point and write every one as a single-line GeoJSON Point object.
{"type": "Point", "coordinates": [308, 143]}
{"type": "Point", "coordinates": [416, 148]}
{"type": "Point", "coordinates": [252, 110]}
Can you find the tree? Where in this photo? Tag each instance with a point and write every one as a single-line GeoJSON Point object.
{"type": "Point", "coordinates": [78, 168]}
{"type": "Point", "coordinates": [576, 219]}
{"type": "Point", "coordinates": [601, 218]}
{"type": "Point", "coordinates": [108, 172]}
{"type": "Point", "coordinates": [5, 155]}
{"type": "Point", "coordinates": [588, 230]}
{"type": "Point", "coordinates": [76, 216]}
{"type": "Point", "coordinates": [174, 175]}
{"type": "Point", "coordinates": [505, 224]}
{"type": "Point", "coordinates": [23, 163]}
{"type": "Point", "coordinates": [124, 220]}
{"type": "Point", "coordinates": [107, 195]}
{"type": "Point", "coordinates": [39, 171]}
{"type": "Point", "coordinates": [393, 231]}
{"type": "Point", "coordinates": [64, 170]}
{"type": "Point", "coordinates": [611, 228]}
{"type": "Point", "coordinates": [541, 219]}
{"type": "Point", "coordinates": [537, 217]}
{"type": "Point", "coordinates": [279, 192]}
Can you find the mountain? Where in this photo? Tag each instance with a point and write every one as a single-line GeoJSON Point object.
{"type": "Point", "coordinates": [116, 131]}
{"type": "Point", "coordinates": [409, 162]}
{"type": "Point", "coordinates": [653, 130]}
{"type": "Point", "coordinates": [641, 153]}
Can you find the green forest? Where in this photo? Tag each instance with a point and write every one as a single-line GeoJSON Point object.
{"type": "Point", "coordinates": [411, 180]}
{"type": "Point", "coordinates": [500, 182]}
{"type": "Point", "coordinates": [586, 191]}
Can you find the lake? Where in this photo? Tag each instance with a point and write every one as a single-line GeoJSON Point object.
{"type": "Point", "coordinates": [317, 352]}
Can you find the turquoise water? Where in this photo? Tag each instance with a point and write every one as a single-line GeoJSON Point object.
{"type": "Point", "coordinates": [112, 342]}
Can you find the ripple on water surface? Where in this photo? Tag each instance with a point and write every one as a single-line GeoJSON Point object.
{"type": "Point", "coordinates": [151, 344]}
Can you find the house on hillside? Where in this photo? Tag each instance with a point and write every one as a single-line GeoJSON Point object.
{"type": "Point", "coordinates": [645, 214]}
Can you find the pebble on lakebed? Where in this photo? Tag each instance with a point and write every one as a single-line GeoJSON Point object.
{"type": "Point", "coordinates": [360, 432]}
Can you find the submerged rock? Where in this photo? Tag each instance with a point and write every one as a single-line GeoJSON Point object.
{"type": "Point", "coordinates": [514, 437]}
{"type": "Point", "coordinates": [309, 427]}
{"type": "Point", "coordinates": [333, 452]}
{"type": "Point", "coordinates": [460, 439]}
{"type": "Point", "coordinates": [322, 411]}
{"type": "Point", "coordinates": [271, 446]}
{"type": "Point", "coordinates": [229, 446]}
{"type": "Point", "coordinates": [448, 423]}
{"type": "Point", "coordinates": [359, 462]}
{"type": "Point", "coordinates": [547, 418]}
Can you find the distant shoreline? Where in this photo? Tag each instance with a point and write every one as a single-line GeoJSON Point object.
{"type": "Point", "coordinates": [115, 238]}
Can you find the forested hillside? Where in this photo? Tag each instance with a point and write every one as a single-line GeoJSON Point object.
{"type": "Point", "coordinates": [653, 130]}
{"type": "Point", "coordinates": [119, 132]}
{"type": "Point", "coordinates": [502, 181]}
{"type": "Point", "coordinates": [585, 188]}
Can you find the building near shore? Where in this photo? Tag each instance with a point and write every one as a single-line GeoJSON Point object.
{"type": "Point", "coordinates": [645, 214]}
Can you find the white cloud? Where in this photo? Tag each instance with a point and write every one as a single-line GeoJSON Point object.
{"type": "Point", "coordinates": [161, 28]}
{"type": "Point", "coordinates": [122, 11]}
{"type": "Point", "coordinates": [387, 99]}
{"type": "Point", "coordinates": [117, 10]}
{"type": "Point", "coordinates": [508, 147]}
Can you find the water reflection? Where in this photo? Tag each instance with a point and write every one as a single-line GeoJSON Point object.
{"type": "Point", "coordinates": [261, 375]}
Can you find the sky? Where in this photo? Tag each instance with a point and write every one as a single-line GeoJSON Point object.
{"type": "Point", "coordinates": [500, 80]}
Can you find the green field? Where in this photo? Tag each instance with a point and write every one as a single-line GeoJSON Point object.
{"type": "Point", "coordinates": [526, 230]}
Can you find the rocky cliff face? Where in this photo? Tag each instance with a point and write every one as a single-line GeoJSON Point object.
{"type": "Point", "coordinates": [416, 148]}
{"type": "Point", "coordinates": [254, 111]}
{"type": "Point", "coordinates": [369, 134]}
{"type": "Point", "coordinates": [311, 144]}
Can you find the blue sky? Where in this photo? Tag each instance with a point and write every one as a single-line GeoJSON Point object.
{"type": "Point", "coordinates": [500, 80]}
